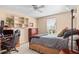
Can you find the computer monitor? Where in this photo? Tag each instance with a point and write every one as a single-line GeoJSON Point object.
{"type": "Point", "coordinates": [7, 32]}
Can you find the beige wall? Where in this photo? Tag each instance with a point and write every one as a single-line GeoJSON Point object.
{"type": "Point", "coordinates": [32, 20]}
{"type": "Point", "coordinates": [63, 20]}
{"type": "Point", "coordinates": [77, 19]}
{"type": "Point", "coordinates": [2, 15]}
{"type": "Point", "coordinates": [41, 23]}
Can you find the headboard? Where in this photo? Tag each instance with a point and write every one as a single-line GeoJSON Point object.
{"type": "Point", "coordinates": [32, 32]}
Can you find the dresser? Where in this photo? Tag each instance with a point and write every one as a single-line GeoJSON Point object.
{"type": "Point", "coordinates": [32, 32]}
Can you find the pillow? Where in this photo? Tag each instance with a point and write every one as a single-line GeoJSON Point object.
{"type": "Point", "coordinates": [69, 33]}
{"type": "Point", "coordinates": [62, 32]}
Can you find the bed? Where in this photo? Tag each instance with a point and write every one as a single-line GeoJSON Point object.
{"type": "Point", "coordinates": [48, 43]}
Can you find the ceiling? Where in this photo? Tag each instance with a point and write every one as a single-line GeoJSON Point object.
{"type": "Point", "coordinates": [28, 10]}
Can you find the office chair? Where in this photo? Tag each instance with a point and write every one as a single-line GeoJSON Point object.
{"type": "Point", "coordinates": [15, 40]}
{"type": "Point", "coordinates": [11, 44]}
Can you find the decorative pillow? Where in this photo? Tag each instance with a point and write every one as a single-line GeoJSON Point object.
{"type": "Point", "coordinates": [62, 32]}
{"type": "Point", "coordinates": [69, 33]}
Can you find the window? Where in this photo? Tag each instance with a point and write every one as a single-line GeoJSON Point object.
{"type": "Point", "coordinates": [51, 25]}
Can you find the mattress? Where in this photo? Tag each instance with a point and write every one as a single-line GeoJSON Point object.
{"type": "Point", "coordinates": [51, 41]}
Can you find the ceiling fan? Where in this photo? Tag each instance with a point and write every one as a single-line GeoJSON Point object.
{"type": "Point", "coordinates": [38, 7]}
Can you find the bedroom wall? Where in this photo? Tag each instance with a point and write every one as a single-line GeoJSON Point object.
{"type": "Point", "coordinates": [77, 19]}
{"type": "Point", "coordinates": [63, 20]}
{"type": "Point", "coordinates": [2, 15]}
{"type": "Point", "coordinates": [32, 20]}
{"type": "Point", "coordinates": [41, 24]}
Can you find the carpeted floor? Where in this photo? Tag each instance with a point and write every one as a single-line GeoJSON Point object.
{"type": "Point", "coordinates": [24, 49]}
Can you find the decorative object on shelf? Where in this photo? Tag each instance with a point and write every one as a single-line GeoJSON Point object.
{"type": "Point", "coordinates": [31, 24]}
{"type": "Point", "coordinates": [2, 23]}
{"type": "Point", "coordinates": [21, 19]}
{"type": "Point", "coordinates": [21, 22]}
{"type": "Point", "coordinates": [10, 21]}
{"type": "Point", "coordinates": [25, 22]}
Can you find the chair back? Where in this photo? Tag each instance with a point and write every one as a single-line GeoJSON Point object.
{"type": "Point", "coordinates": [15, 38]}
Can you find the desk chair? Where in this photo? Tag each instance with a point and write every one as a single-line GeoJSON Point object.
{"type": "Point", "coordinates": [11, 44]}
{"type": "Point", "coordinates": [15, 40]}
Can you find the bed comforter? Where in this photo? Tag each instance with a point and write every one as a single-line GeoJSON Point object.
{"type": "Point", "coordinates": [51, 42]}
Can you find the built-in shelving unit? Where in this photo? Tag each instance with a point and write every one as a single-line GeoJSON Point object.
{"type": "Point", "coordinates": [21, 22]}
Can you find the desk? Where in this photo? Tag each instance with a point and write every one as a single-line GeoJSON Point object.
{"type": "Point", "coordinates": [1, 41]}
{"type": "Point", "coordinates": [9, 39]}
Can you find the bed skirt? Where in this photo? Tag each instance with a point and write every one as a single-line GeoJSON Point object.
{"type": "Point", "coordinates": [42, 49]}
